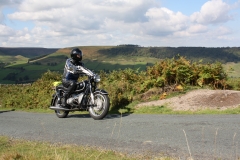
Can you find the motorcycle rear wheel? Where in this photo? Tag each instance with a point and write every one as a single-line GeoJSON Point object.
{"type": "Point", "coordinates": [101, 106]}
{"type": "Point", "coordinates": [60, 113]}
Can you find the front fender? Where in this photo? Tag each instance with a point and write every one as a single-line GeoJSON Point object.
{"type": "Point", "coordinates": [101, 91]}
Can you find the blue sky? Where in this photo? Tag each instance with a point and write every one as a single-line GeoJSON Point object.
{"type": "Point", "coordinates": [15, 24]}
{"type": "Point", "coordinates": [187, 7]}
{"type": "Point", "coordinates": [59, 23]}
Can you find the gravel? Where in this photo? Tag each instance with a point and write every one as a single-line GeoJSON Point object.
{"type": "Point", "coordinates": [200, 99]}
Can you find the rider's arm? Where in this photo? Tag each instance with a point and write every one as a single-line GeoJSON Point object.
{"type": "Point", "coordinates": [83, 70]}
{"type": "Point", "coordinates": [79, 69]}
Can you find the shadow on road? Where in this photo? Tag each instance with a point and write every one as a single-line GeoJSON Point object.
{"type": "Point", "coordinates": [109, 116]}
{"type": "Point", "coordinates": [7, 110]}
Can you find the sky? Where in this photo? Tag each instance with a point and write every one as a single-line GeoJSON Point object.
{"type": "Point", "coordinates": [172, 23]}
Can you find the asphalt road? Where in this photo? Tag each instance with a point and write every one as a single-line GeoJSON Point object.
{"type": "Point", "coordinates": [198, 136]}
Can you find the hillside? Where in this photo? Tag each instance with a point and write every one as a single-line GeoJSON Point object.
{"type": "Point", "coordinates": [194, 53]}
{"type": "Point", "coordinates": [221, 54]}
{"type": "Point", "coordinates": [26, 52]}
{"type": "Point", "coordinates": [27, 64]}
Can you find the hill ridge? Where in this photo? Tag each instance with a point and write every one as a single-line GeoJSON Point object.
{"type": "Point", "coordinates": [107, 58]}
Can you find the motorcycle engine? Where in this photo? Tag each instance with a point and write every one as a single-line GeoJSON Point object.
{"type": "Point", "coordinates": [75, 99]}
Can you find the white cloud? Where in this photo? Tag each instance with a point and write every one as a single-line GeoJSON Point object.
{"type": "Point", "coordinates": [6, 31]}
{"type": "Point", "coordinates": [197, 28]}
{"type": "Point", "coordinates": [9, 2]}
{"type": "Point", "coordinates": [12, 3]}
{"type": "Point", "coordinates": [84, 17]}
{"type": "Point", "coordinates": [59, 23]}
{"type": "Point", "coordinates": [46, 5]}
{"type": "Point", "coordinates": [119, 9]}
{"type": "Point", "coordinates": [222, 31]}
{"type": "Point", "coordinates": [163, 21]}
{"type": "Point", "coordinates": [212, 12]}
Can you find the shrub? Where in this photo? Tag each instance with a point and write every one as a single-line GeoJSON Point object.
{"type": "Point", "coordinates": [122, 85]}
{"type": "Point", "coordinates": [37, 95]}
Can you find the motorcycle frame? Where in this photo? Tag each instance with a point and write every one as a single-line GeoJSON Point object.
{"type": "Point", "coordinates": [89, 89]}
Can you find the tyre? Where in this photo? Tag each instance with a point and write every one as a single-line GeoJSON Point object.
{"type": "Point", "coordinates": [100, 107]}
{"type": "Point", "coordinates": [60, 113]}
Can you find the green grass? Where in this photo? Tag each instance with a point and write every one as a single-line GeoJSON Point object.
{"type": "Point", "coordinates": [141, 110]}
{"type": "Point", "coordinates": [13, 149]}
{"type": "Point", "coordinates": [232, 69]}
{"type": "Point", "coordinates": [14, 60]}
{"type": "Point", "coordinates": [119, 62]}
{"type": "Point", "coordinates": [34, 71]}
{"type": "Point", "coordinates": [92, 59]}
{"type": "Point", "coordinates": [5, 72]}
{"type": "Point", "coordinates": [166, 110]}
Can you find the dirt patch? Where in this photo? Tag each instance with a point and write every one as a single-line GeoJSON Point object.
{"type": "Point", "coordinates": [200, 99]}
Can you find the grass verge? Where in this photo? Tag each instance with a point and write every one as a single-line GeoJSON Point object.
{"type": "Point", "coordinates": [29, 150]}
{"type": "Point", "coordinates": [130, 109]}
{"type": "Point", "coordinates": [166, 110]}
{"type": "Point", "coordinates": [22, 149]}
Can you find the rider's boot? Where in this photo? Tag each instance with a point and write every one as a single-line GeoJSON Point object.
{"type": "Point", "coordinates": [64, 99]}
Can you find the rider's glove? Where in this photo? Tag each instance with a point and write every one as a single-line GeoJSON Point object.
{"type": "Point", "coordinates": [78, 68]}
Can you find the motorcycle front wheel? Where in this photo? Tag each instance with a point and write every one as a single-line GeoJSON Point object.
{"type": "Point", "coordinates": [100, 108]}
{"type": "Point", "coordinates": [60, 113]}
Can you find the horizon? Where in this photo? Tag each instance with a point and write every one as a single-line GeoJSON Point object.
{"type": "Point", "coordinates": [119, 46]}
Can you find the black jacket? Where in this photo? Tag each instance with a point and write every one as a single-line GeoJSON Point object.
{"type": "Point", "coordinates": [73, 70]}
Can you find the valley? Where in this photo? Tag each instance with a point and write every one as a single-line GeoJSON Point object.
{"type": "Point", "coordinates": [23, 65]}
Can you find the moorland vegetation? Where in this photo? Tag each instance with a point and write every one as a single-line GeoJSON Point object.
{"type": "Point", "coordinates": [126, 86]}
{"type": "Point", "coordinates": [24, 65]}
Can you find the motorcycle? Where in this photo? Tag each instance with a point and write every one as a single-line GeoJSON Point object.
{"type": "Point", "coordinates": [86, 97]}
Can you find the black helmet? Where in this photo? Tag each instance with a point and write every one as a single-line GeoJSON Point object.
{"type": "Point", "coordinates": [76, 54]}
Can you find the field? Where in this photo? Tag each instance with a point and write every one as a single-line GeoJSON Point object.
{"type": "Point", "coordinates": [20, 70]}
{"type": "Point", "coordinates": [232, 69]}
{"type": "Point", "coordinates": [14, 60]}
{"type": "Point", "coordinates": [24, 69]}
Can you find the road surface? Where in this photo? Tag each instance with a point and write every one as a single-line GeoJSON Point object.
{"type": "Point", "coordinates": [182, 136]}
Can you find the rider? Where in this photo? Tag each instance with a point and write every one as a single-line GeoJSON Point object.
{"type": "Point", "coordinates": [74, 67]}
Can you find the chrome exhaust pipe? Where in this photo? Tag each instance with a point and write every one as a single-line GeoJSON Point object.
{"type": "Point", "coordinates": [58, 108]}
{"type": "Point", "coordinates": [63, 109]}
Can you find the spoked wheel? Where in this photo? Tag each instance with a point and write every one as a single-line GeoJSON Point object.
{"type": "Point", "coordinates": [100, 108]}
{"type": "Point", "coordinates": [60, 113]}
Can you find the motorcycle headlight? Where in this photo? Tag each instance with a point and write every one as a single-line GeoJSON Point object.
{"type": "Point", "coordinates": [97, 78]}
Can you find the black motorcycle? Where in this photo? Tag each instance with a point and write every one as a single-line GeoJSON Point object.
{"type": "Point", "coordinates": [87, 97]}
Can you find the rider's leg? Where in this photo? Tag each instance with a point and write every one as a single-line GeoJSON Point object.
{"type": "Point", "coordinates": [71, 88]}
